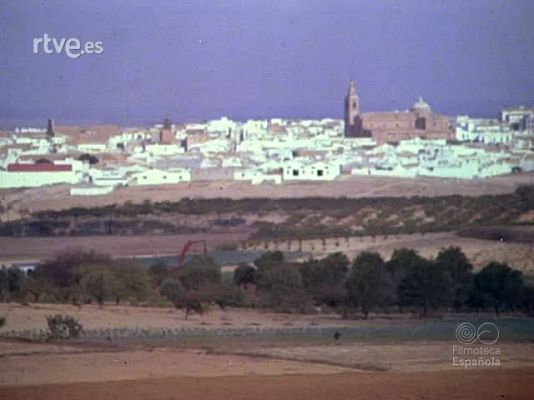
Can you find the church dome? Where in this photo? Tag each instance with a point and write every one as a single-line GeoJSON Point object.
{"type": "Point", "coordinates": [421, 105]}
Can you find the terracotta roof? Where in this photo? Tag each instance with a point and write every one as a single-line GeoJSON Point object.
{"type": "Point", "coordinates": [42, 167]}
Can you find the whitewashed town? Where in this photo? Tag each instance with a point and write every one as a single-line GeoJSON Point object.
{"type": "Point", "coordinates": [416, 142]}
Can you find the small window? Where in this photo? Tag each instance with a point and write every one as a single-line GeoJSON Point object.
{"type": "Point", "coordinates": [320, 172]}
{"type": "Point", "coordinates": [295, 172]}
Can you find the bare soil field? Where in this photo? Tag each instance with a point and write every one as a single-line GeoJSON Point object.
{"type": "Point", "coordinates": [97, 365]}
{"type": "Point", "coordinates": [57, 197]}
{"type": "Point", "coordinates": [386, 356]}
{"type": "Point", "coordinates": [472, 385]}
{"type": "Point", "coordinates": [243, 368]}
{"type": "Point", "coordinates": [163, 374]}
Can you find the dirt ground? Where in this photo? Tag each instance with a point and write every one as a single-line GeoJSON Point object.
{"type": "Point", "coordinates": [472, 385]}
{"type": "Point", "coordinates": [33, 316]}
{"type": "Point", "coordinates": [93, 365]}
{"type": "Point", "coordinates": [246, 369]}
{"type": "Point", "coordinates": [388, 370]}
{"type": "Point", "coordinates": [57, 197]}
{"type": "Point", "coordinates": [386, 356]}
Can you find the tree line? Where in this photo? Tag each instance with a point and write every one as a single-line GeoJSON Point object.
{"type": "Point", "coordinates": [407, 282]}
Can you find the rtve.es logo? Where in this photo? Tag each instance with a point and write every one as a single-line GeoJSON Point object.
{"type": "Point", "coordinates": [71, 47]}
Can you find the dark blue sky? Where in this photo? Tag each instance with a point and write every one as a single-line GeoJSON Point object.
{"type": "Point", "coordinates": [193, 60]}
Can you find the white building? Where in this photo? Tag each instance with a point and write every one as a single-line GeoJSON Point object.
{"type": "Point", "coordinates": [488, 131]}
{"type": "Point", "coordinates": [313, 171]}
{"type": "Point", "coordinates": [161, 177]}
{"type": "Point", "coordinates": [90, 190]}
{"type": "Point", "coordinates": [223, 125]}
{"type": "Point", "coordinates": [36, 175]}
{"type": "Point", "coordinates": [164, 149]}
{"type": "Point", "coordinates": [108, 177]}
{"type": "Point", "coordinates": [257, 177]}
{"type": "Point", "coordinates": [517, 116]}
{"type": "Point", "coordinates": [92, 147]}
{"type": "Point", "coordinates": [397, 171]}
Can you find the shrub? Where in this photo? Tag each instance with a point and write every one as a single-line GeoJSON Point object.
{"type": "Point", "coordinates": [63, 327]}
{"type": "Point", "coordinates": [173, 290]}
{"type": "Point", "coordinates": [244, 275]}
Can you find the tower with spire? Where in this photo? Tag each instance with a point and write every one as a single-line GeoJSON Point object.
{"type": "Point", "coordinates": [352, 110]}
{"type": "Point", "coordinates": [50, 128]}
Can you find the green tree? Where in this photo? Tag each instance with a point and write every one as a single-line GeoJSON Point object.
{"type": "Point", "coordinates": [159, 271]}
{"type": "Point", "coordinates": [280, 287]}
{"type": "Point", "coordinates": [245, 274]}
{"type": "Point", "coordinates": [426, 285]}
{"type": "Point", "coordinates": [61, 271]}
{"type": "Point", "coordinates": [498, 286]}
{"type": "Point", "coordinates": [228, 294]}
{"type": "Point", "coordinates": [4, 284]}
{"type": "Point", "coordinates": [38, 287]}
{"type": "Point", "coordinates": [455, 262]}
{"type": "Point", "coordinates": [199, 272]}
{"type": "Point", "coordinates": [369, 283]}
{"type": "Point", "coordinates": [331, 270]}
{"type": "Point", "coordinates": [269, 259]}
{"type": "Point", "coordinates": [98, 283]}
{"type": "Point", "coordinates": [527, 300]}
{"type": "Point", "coordinates": [11, 283]}
{"type": "Point", "coordinates": [401, 263]}
{"type": "Point", "coordinates": [173, 290]}
{"type": "Point", "coordinates": [133, 282]}
{"type": "Point", "coordinates": [324, 279]}
{"type": "Point", "coordinates": [192, 301]}
{"type": "Point", "coordinates": [201, 280]}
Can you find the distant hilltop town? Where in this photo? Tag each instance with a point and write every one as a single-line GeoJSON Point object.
{"type": "Point", "coordinates": [406, 144]}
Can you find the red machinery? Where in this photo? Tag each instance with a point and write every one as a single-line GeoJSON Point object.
{"type": "Point", "coordinates": [186, 249]}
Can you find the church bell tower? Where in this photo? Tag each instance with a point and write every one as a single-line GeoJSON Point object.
{"type": "Point", "coordinates": [352, 110]}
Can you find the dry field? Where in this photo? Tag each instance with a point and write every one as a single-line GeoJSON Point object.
{"type": "Point", "coordinates": [57, 197]}
{"type": "Point", "coordinates": [245, 369]}
{"type": "Point", "coordinates": [472, 385]}
{"type": "Point", "coordinates": [21, 317]}
{"type": "Point", "coordinates": [38, 248]}
{"type": "Point", "coordinates": [480, 252]}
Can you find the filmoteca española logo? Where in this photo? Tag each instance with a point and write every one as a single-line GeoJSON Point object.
{"type": "Point", "coordinates": [487, 333]}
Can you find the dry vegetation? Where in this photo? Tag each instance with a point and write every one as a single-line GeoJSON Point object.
{"type": "Point", "coordinates": [280, 219]}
